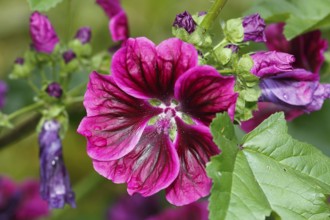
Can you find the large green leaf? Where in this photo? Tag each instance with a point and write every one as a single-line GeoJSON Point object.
{"type": "Point", "coordinates": [300, 16]}
{"type": "Point", "coordinates": [269, 173]}
{"type": "Point", "coordinates": [43, 5]}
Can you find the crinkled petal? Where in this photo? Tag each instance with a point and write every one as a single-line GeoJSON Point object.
{"type": "Point", "coordinates": [150, 167]}
{"type": "Point", "coordinates": [195, 147]}
{"type": "Point", "coordinates": [115, 120]}
{"type": "Point", "coordinates": [202, 92]}
{"type": "Point", "coordinates": [118, 27]}
{"type": "Point", "coordinates": [308, 48]}
{"type": "Point", "coordinates": [271, 62]}
{"type": "Point", "coordinates": [144, 71]}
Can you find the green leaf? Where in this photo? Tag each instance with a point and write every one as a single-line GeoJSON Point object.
{"type": "Point", "coordinates": [300, 16]}
{"type": "Point", "coordinates": [43, 5]}
{"type": "Point", "coordinates": [270, 173]}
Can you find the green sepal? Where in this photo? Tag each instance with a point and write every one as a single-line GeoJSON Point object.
{"type": "Point", "coordinates": [199, 38]}
{"type": "Point", "coordinates": [233, 30]}
{"type": "Point", "coordinates": [223, 55]}
{"type": "Point", "coordinates": [81, 50]}
{"type": "Point", "coordinates": [4, 122]}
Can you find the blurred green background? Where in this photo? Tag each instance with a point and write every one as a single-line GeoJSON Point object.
{"type": "Point", "coordinates": [150, 18]}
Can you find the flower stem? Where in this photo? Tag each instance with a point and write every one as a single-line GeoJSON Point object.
{"type": "Point", "coordinates": [213, 13]}
{"type": "Point", "coordinates": [25, 110]}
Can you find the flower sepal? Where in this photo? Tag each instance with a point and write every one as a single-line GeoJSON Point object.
{"type": "Point", "coordinates": [233, 30]}
{"type": "Point", "coordinates": [80, 49]}
{"type": "Point", "coordinates": [199, 38]}
{"type": "Point", "coordinates": [4, 122]}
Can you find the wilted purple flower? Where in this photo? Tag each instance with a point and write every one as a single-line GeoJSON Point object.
{"type": "Point", "coordinates": [185, 20]}
{"type": "Point", "coordinates": [254, 28]}
{"type": "Point", "coordinates": [3, 91]}
{"type": "Point", "coordinates": [43, 35]}
{"type": "Point", "coordinates": [294, 92]}
{"type": "Point", "coordinates": [271, 62]}
{"type": "Point", "coordinates": [308, 49]}
{"type": "Point", "coordinates": [55, 185]}
{"type": "Point", "coordinates": [84, 35]}
{"type": "Point", "coordinates": [68, 56]}
{"type": "Point", "coordinates": [19, 60]}
{"type": "Point", "coordinates": [118, 24]}
{"type": "Point", "coordinates": [54, 89]}
{"type": "Point", "coordinates": [21, 202]}
{"type": "Point", "coordinates": [134, 207]}
{"type": "Point", "coordinates": [125, 148]}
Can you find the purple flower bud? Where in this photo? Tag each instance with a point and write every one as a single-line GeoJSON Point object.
{"type": "Point", "coordinates": [43, 35]}
{"type": "Point", "coordinates": [68, 56]}
{"type": "Point", "coordinates": [271, 62]}
{"type": "Point", "coordinates": [201, 13]}
{"type": "Point", "coordinates": [54, 89]}
{"type": "Point", "coordinates": [234, 48]}
{"type": "Point", "coordinates": [185, 20]}
{"type": "Point", "coordinates": [84, 35]}
{"type": "Point", "coordinates": [3, 91]}
{"type": "Point", "coordinates": [19, 60]}
{"type": "Point", "coordinates": [55, 185]}
{"type": "Point", "coordinates": [254, 28]}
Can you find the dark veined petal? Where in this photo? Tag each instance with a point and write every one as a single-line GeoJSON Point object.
{"type": "Point", "coordinates": [308, 49]}
{"type": "Point", "coordinates": [115, 120]}
{"type": "Point", "coordinates": [118, 27]}
{"type": "Point", "coordinates": [195, 147]}
{"type": "Point", "coordinates": [144, 71]}
{"type": "Point", "coordinates": [150, 167]}
{"type": "Point", "coordinates": [202, 92]}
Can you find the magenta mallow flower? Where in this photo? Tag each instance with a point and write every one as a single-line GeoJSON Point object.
{"type": "Point", "coordinates": [308, 49]}
{"type": "Point", "coordinates": [293, 91]}
{"type": "Point", "coordinates": [185, 20]}
{"type": "Point", "coordinates": [254, 28]}
{"type": "Point", "coordinates": [147, 123]}
{"type": "Point", "coordinates": [118, 24]}
{"type": "Point", "coordinates": [3, 91]}
{"type": "Point", "coordinates": [54, 89]}
{"type": "Point", "coordinates": [84, 35]}
{"type": "Point", "coordinates": [43, 35]}
{"type": "Point", "coordinates": [55, 185]}
{"type": "Point", "coordinates": [134, 207]}
{"type": "Point", "coordinates": [21, 201]}
{"type": "Point", "coordinates": [68, 56]}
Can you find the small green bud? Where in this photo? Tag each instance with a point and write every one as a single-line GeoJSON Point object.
{"type": "Point", "coordinates": [223, 55]}
{"type": "Point", "coordinates": [81, 50]}
{"type": "Point", "coordinates": [245, 63]}
{"type": "Point", "coordinates": [233, 30]}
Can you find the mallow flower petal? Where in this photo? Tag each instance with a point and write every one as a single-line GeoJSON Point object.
{"type": "Point", "coordinates": [202, 92]}
{"type": "Point", "coordinates": [114, 121]}
{"type": "Point", "coordinates": [195, 147]}
{"type": "Point", "coordinates": [118, 27]}
{"type": "Point", "coordinates": [145, 71]}
{"type": "Point", "coordinates": [150, 167]}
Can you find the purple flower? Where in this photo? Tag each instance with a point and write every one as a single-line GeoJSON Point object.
{"type": "Point", "coordinates": [118, 24]}
{"type": "Point", "coordinates": [68, 56]}
{"type": "Point", "coordinates": [55, 183]}
{"type": "Point", "coordinates": [134, 207]}
{"type": "Point", "coordinates": [193, 211]}
{"type": "Point", "coordinates": [271, 62]}
{"type": "Point", "coordinates": [254, 28]}
{"type": "Point", "coordinates": [21, 202]}
{"type": "Point", "coordinates": [293, 91]}
{"type": "Point", "coordinates": [3, 91]}
{"type": "Point", "coordinates": [54, 89]}
{"type": "Point", "coordinates": [185, 20]}
{"type": "Point", "coordinates": [43, 35]}
{"type": "Point", "coordinates": [19, 61]}
{"type": "Point", "coordinates": [308, 49]}
{"type": "Point", "coordinates": [84, 35]}
{"type": "Point", "coordinates": [165, 152]}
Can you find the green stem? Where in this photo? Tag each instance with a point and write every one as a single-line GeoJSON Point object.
{"type": "Point", "coordinates": [213, 13]}
{"type": "Point", "coordinates": [25, 110]}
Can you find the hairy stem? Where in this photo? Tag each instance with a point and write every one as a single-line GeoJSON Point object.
{"type": "Point", "coordinates": [213, 13]}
